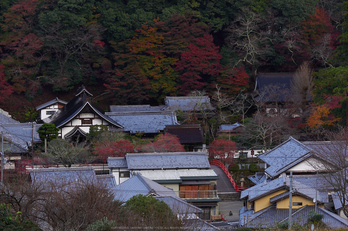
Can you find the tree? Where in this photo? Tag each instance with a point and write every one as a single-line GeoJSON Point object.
{"type": "Point", "coordinates": [113, 149]}
{"type": "Point", "coordinates": [152, 212]}
{"type": "Point", "coordinates": [223, 150]}
{"type": "Point", "coordinates": [232, 80]}
{"type": "Point", "coordinates": [164, 143]}
{"type": "Point", "coordinates": [48, 132]}
{"type": "Point", "coordinates": [62, 152]}
{"type": "Point", "coordinates": [200, 64]}
{"type": "Point", "coordinates": [321, 117]}
{"type": "Point", "coordinates": [8, 222]}
{"type": "Point", "coordinates": [333, 156]}
{"type": "Point", "coordinates": [5, 88]}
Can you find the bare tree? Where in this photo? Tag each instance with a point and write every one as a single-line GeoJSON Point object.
{"type": "Point", "coordinates": [334, 161]}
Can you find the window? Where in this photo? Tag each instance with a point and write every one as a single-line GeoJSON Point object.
{"type": "Point", "coordinates": [124, 174]}
{"type": "Point", "coordinates": [50, 112]}
{"type": "Point", "coordinates": [296, 203]}
{"type": "Point", "coordinates": [86, 121]}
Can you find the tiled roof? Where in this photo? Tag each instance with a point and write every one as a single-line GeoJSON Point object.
{"type": "Point", "coordinates": [229, 127]}
{"type": "Point", "coordinates": [282, 182]}
{"type": "Point", "coordinates": [135, 108]}
{"type": "Point", "coordinates": [148, 122]}
{"type": "Point", "coordinates": [117, 162]}
{"type": "Point", "coordinates": [169, 160]}
{"type": "Point", "coordinates": [51, 102]}
{"type": "Point", "coordinates": [285, 156]}
{"type": "Point", "coordinates": [74, 107]}
{"type": "Point", "coordinates": [63, 176]}
{"type": "Point", "coordinates": [187, 103]}
{"type": "Point", "coordinates": [138, 184]}
{"type": "Point", "coordinates": [258, 178]}
{"type": "Point", "coordinates": [271, 216]}
{"type": "Point", "coordinates": [179, 206]}
{"type": "Point", "coordinates": [5, 118]}
{"type": "Point", "coordinates": [107, 180]}
{"type": "Point", "coordinates": [187, 134]}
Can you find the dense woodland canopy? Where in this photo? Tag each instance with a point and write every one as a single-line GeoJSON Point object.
{"type": "Point", "coordinates": [140, 51]}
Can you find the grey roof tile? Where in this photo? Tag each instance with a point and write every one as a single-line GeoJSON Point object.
{"type": "Point", "coordinates": [135, 108]}
{"type": "Point", "coordinates": [285, 156]}
{"type": "Point", "coordinates": [178, 205]}
{"type": "Point", "coordinates": [169, 160]}
{"type": "Point", "coordinates": [229, 127]}
{"type": "Point", "coordinates": [106, 180]}
{"type": "Point", "coordinates": [117, 162]}
{"type": "Point", "coordinates": [51, 102]}
{"type": "Point", "coordinates": [6, 119]}
{"type": "Point", "coordinates": [148, 122]}
{"type": "Point", "coordinates": [188, 103]}
{"type": "Point", "coordinates": [138, 184]}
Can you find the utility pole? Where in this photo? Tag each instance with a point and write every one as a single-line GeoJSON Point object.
{"type": "Point", "coordinates": [290, 202]}
{"type": "Point", "coordinates": [2, 158]}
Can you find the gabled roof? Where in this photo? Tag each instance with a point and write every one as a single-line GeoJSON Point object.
{"type": "Point", "coordinates": [138, 184]}
{"type": "Point", "coordinates": [271, 216]}
{"type": "Point", "coordinates": [258, 178]}
{"type": "Point", "coordinates": [187, 103]}
{"type": "Point", "coordinates": [74, 107]}
{"type": "Point", "coordinates": [168, 160]}
{"type": "Point", "coordinates": [285, 156]}
{"type": "Point", "coordinates": [283, 182]}
{"type": "Point", "coordinates": [49, 103]}
{"type": "Point", "coordinates": [147, 122]}
{"type": "Point", "coordinates": [5, 118]}
{"type": "Point", "coordinates": [187, 134]}
{"type": "Point", "coordinates": [82, 90]}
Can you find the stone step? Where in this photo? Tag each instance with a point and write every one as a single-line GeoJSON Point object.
{"type": "Point", "coordinates": [233, 196]}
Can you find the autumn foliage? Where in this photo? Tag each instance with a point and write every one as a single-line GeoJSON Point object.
{"type": "Point", "coordinates": [164, 143]}
{"type": "Point", "coordinates": [321, 117]}
{"type": "Point", "coordinates": [222, 149]}
{"type": "Point", "coordinates": [117, 148]}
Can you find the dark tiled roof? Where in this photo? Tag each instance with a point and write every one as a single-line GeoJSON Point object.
{"type": "Point", "coordinates": [148, 122]}
{"type": "Point", "coordinates": [82, 90]}
{"type": "Point", "coordinates": [74, 107]}
{"type": "Point", "coordinates": [169, 160]}
{"type": "Point", "coordinates": [187, 134]}
{"type": "Point", "coordinates": [49, 103]}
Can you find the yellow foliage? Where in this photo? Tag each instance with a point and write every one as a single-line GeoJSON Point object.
{"type": "Point", "coordinates": [321, 116]}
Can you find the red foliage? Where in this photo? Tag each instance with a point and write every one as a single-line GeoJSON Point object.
{"type": "Point", "coordinates": [233, 80]}
{"type": "Point", "coordinates": [223, 150]}
{"type": "Point", "coordinates": [113, 149]}
{"type": "Point", "coordinates": [333, 101]}
{"type": "Point", "coordinates": [317, 25]}
{"type": "Point", "coordinates": [5, 88]}
{"type": "Point", "coordinates": [201, 59]}
{"type": "Point", "coordinates": [164, 143]}
{"type": "Point", "coordinates": [98, 43]}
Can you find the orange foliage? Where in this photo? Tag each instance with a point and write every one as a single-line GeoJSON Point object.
{"type": "Point", "coordinates": [321, 116]}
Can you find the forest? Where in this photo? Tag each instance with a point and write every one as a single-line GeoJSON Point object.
{"type": "Point", "coordinates": [140, 51]}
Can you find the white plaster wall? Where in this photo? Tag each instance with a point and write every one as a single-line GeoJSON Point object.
{"type": "Point", "coordinates": [97, 122]}
{"type": "Point", "coordinates": [76, 122]}
{"type": "Point", "coordinates": [86, 115]}
{"type": "Point", "coordinates": [311, 164]}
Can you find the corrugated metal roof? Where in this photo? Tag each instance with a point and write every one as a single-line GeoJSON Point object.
{"type": "Point", "coordinates": [177, 174]}
{"type": "Point", "coordinates": [169, 160]}
{"type": "Point", "coordinates": [148, 122]}
{"type": "Point", "coordinates": [285, 156]}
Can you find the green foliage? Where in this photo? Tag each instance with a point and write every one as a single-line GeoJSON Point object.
{"type": "Point", "coordinates": [101, 225]}
{"type": "Point", "coordinates": [48, 131]}
{"type": "Point", "coordinates": [253, 167]}
{"type": "Point", "coordinates": [234, 168]}
{"type": "Point", "coordinates": [294, 11]}
{"type": "Point", "coordinates": [10, 223]}
{"type": "Point", "coordinates": [60, 151]}
{"type": "Point", "coordinates": [30, 114]}
{"type": "Point", "coordinates": [314, 218]}
{"type": "Point", "coordinates": [149, 209]}
{"type": "Point", "coordinates": [243, 229]}
{"type": "Point", "coordinates": [95, 131]}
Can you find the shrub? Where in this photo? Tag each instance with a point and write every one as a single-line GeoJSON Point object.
{"type": "Point", "coordinates": [243, 229]}
{"type": "Point", "coordinates": [253, 167]}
